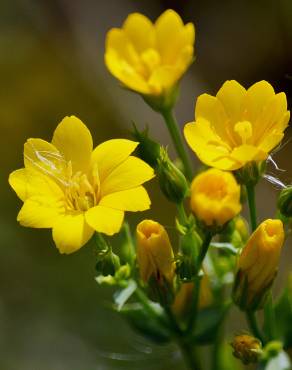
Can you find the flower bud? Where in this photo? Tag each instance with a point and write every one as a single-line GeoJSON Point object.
{"type": "Point", "coordinates": [215, 197]}
{"type": "Point", "coordinates": [188, 255]}
{"type": "Point", "coordinates": [171, 180]}
{"type": "Point", "coordinates": [285, 202]}
{"type": "Point", "coordinates": [154, 252]}
{"type": "Point", "coordinates": [247, 348]}
{"type": "Point", "coordinates": [148, 150]}
{"type": "Point", "coordinates": [108, 263]}
{"type": "Point", "coordinates": [182, 303]}
{"type": "Point", "coordinates": [257, 265]}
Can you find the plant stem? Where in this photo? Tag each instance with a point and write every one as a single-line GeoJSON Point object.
{"type": "Point", "coordinates": [270, 318]}
{"type": "Point", "coordinates": [187, 350]}
{"type": "Point", "coordinates": [176, 136]}
{"type": "Point", "coordinates": [252, 205]}
{"type": "Point", "coordinates": [252, 322]}
{"type": "Point", "coordinates": [196, 290]}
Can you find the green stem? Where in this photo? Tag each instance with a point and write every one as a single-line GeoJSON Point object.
{"type": "Point", "coordinates": [270, 318]}
{"type": "Point", "coordinates": [252, 205]}
{"type": "Point", "coordinates": [187, 349]}
{"type": "Point", "coordinates": [176, 136]}
{"type": "Point", "coordinates": [196, 290]}
{"type": "Point", "coordinates": [253, 324]}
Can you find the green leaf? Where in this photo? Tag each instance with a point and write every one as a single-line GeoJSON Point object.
{"type": "Point", "coordinates": [208, 322]}
{"type": "Point", "coordinates": [123, 295]}
{"type": "Point", "coordinates": [144, 324]}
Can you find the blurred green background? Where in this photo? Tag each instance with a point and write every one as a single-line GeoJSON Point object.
{"type": "Point", "coordinates": [53, 316]}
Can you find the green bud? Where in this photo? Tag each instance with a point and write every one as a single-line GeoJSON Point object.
{"type": "Point", "coordinates": [171, 180]}
{"type": "Point", "coordinates": [285, 202]}
{"type": "Point", "coordinates": [148, 150]}
{"type": "Point", "coordinates": [188, 255]}
{"type": "Point", "coordinates": [272, 349]}
{"type": "Point", "coordinates": [251, 173]}
{"type": "Point", "coordinates": [107, 261]}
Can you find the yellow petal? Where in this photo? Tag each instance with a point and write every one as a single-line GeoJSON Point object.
{"type": "Point", "coordinates": [73, 139]}
{"type": "Point", "coordinates": [125, 72]}
{"type": "Point", "coordinates": [44, 157]}
{"type": "Point", "coordinates": [129, 174]}
{"type": "Point", "coordinates": [211, 109]}
{"type": "Point", "coordinates": [71, 232]}
{"type": "Point", "coordinates": [134, 200]}
{"type": "Point", "coordinates": [208, 146]}
{"type": "Point", "coordinates": [248, 153]}
{"type": "Point", "coordinates": [105, 220]}
{"type": "Point", "coordinates": [140, 31]}
{"type": "Point", "coordinates": [26, 183]}
{"type": "Point", "coordinates": [39, 212]}
{"type": "Point", "coordinates": [231, 96]}
{"type": "Point", "coordinates": [257, 96]}
{"type": "Point", "coordinates": [163, 78]}
{"type": "Point", "coordinates": [110, 154]}
{"type": "Point", "coordinates": [169, 27]}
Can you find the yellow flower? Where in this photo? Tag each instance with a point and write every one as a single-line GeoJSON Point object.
{"type": "Point", "coordinates": [75, 190]}
{"type": "Point", "coordinates": [215, 197]}
{"type": "Point", "coordinates": [154, 252]}
{"type": "Point", "coordinates": [183, 298]}
{"type": "Point", "coordinates": [258, 264]}
{"type": "Point", "coordinates": [237, 126]}
{"type": "Point", "coordinates": [150, 58]}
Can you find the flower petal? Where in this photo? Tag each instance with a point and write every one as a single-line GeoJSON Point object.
{"type": "Point", "coordinates": [129, 174]}
{"type": "Point", "coordinates": [169, 28]}
{"type": "Point", "coordinates": [248, 153]}
{"type": "Point", "coordinates": [105, 220]}
{"type": "Point", "coordinates": [140, 31]}
{"type": "Point", "coordinates": [73, 139]}
{"type": "Point", "coordinates": [71, 232]}
{"type": "Point", "coordinates": [110, 154]}
{"type": "Point", "coordinates": [39, 212]}
{"type": "Point", "coordinates": [257, 96]}
{"type": "Point", "coordinates": [231, 95]}
{"type": "Point", "coordinates": [44, 157]}
{"type": "Point", "coordinates": [134, 200]}
{"type": "Point", "coordinates": [27, 183]}
{"type": "Point", "coordinates": [163, 78]}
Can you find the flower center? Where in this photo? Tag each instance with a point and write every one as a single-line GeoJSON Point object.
{"type": "Point", "coordinates": [149, 61]}
{"type": "Point", "coordinates": [82, 191]}
{"type": "Point", "coordinates": [244, 130]}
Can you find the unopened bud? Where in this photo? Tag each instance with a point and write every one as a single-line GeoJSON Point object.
{"type": "Point", "coordinates": [188, 255]}
{"type": "Point", "coordinates": [246, 348]}
{"type": "Point", "coordinates": [285, 202]}
{"type": "Point", "coordinates": [172, 181]}
{"type": "Point", "coordinates": [258, 264]}
{"type": "Point", "coordinates": [148, 150]}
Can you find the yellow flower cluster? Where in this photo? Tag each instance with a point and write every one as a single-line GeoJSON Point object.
{"type": "Point", "coordinates": [74, 189]}
{"type": "Point", "coordinates": [150, 58]}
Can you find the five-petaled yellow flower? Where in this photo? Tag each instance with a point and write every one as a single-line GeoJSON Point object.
{"type": "Point", "coordinates": [75, 190]}
{"type": "Point", "coordinates": [237, 126]}
{"type": "Point", "coordinates": [150, 58]}
{"type": "Point", "coordinates": [258, 264]}
{"type": "Point", "coordinates": [215, 197]}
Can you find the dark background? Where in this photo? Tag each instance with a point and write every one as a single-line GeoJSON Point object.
{"type": "Point", "coordinates": [53, 316]}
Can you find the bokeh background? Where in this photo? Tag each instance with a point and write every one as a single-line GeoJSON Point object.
{"type": "Point", "coordinates": [53, 316]}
